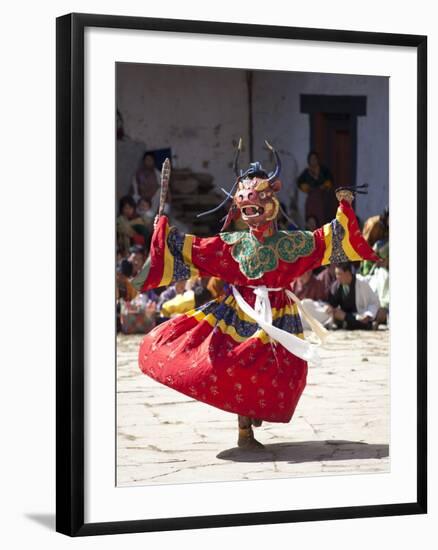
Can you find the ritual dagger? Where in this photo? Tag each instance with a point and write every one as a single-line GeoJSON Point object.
{"type": "Point", "coordinates": [165, 175]}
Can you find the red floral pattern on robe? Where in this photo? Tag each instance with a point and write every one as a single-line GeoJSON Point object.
{"type": "Point", "coordinates": [217, 354]}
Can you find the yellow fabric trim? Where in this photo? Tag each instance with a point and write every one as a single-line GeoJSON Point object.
{"type": "Point", "coordinates": [328, 243]}
{"type": "Point", "coordinates": [168, 263]}
{"type": "Point", "coordinates": [187, 255]}
{"type": "Point", "coordinates": [346, 245]}
{"type": "Point", "coordinates": [230, 330]}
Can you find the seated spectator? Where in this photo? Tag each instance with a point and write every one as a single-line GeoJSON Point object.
{"type": "Point", "coordinates": [378, 279]}
{"type": "Point", "coordinates": [135, 312]}
{"type": "Point", "coordinates": [367, 266]}
{"type": "Point", "coordinates": [131, 228]}
{"type": "Point", "coordinates": [181, 303]}
{"type": "Point", "coordinates": [310, 287]}
{"type": "Point", "coordinates": [354, 304]}
{"type": "Point", "coordinates": [376, 228]}
{"type": "Point", "coordinates": [124, 288]}
{"type": "Point", "coordinates": [327, 278]}
{"type": "Point", "coordinates": [144, 210]}
{"type": "Point", "coordinates": [125, 292]}
{"type": "Point", "coordinates": [138, 315]}
{"type": "Point", "coordinates": [152, 297]}
{"type": "Point", "coordinates": [171, 291]}
{"type": "Point", "coordinates": [313, 293]}
{"type": "Point", "coordinates": [137, 259]}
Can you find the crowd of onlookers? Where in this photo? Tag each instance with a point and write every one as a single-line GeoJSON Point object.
{"type": "Point", "coordinates": [140, 312]}
{"type": "Point", "coordinates": [350, 296]}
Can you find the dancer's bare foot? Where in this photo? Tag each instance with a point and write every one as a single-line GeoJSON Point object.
{"type": "Point", "coordinates": [247, 440]}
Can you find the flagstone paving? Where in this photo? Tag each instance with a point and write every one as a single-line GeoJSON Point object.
{"type": "Point", "coordinates": [341, 424]}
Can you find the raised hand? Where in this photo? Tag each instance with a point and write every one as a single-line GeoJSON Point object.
{"type": "Point", "coordinates": [346, 195]}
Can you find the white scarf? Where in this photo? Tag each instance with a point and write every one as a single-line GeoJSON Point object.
{"type": "Point", "coordinates": [262, 314]}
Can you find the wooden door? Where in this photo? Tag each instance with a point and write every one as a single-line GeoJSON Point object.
{"type": "Point", "coordinates": [334, 136]}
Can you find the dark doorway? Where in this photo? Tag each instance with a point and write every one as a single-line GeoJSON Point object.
{"type": "Point", "coordinates": [333, 132]}
{"type": "Point", "coordinates": [334, 138]}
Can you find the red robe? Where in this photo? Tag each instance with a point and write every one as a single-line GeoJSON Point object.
{"type": "Point", "coordinates": [216, 353]}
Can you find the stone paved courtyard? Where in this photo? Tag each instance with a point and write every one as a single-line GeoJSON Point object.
{"type": "Point", "coordinates": [341, 424]}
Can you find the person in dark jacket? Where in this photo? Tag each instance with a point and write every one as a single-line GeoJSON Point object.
{"type": "Point", "coordinates": [354, 303]}
{"type": "Point", "coordinates": [317, 182]}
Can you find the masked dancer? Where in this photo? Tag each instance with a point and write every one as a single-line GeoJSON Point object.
{"type": "Point", "coordinates": [244, 352]}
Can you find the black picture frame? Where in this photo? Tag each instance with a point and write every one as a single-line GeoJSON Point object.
{"type": "Point", "coordinates": [70, 273]}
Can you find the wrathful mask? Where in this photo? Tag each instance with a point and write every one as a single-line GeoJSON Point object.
{"type": "Point", "coordinates": [253, 194]}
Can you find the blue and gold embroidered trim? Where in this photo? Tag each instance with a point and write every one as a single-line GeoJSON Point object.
{"type": "Point", "coordinates": [235, 323]}
{"type": "Point", "coordinates": [338, 255]}
{"type": "Point", "coordinates": [179, 250]}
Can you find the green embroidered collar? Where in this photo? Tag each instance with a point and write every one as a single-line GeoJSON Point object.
{"type": "Point", "coordinates": [256, 258]}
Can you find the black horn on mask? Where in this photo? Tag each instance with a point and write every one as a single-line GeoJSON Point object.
{"type": "Point", "coordinates": [255, 170]}
{"type": "Point", "coordinates": [274, 175]}
{"type": "Point", "coordinates": [229, 194]}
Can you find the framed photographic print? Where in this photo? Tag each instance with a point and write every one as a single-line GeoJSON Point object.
{"type": "Point", "coordinates": [232, 348]}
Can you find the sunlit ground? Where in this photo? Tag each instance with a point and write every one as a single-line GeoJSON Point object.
{"type": "Point", "coordinates": [341, 424]}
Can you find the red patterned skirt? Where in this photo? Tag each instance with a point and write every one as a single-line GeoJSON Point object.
{"type": "Point", "coordinates": [219, 356]}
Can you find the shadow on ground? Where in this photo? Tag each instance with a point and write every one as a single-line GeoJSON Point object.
{"type": "Point", "coordinates": [307, 451]}
{"type": "Point", "coordinates": [46, 520]}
